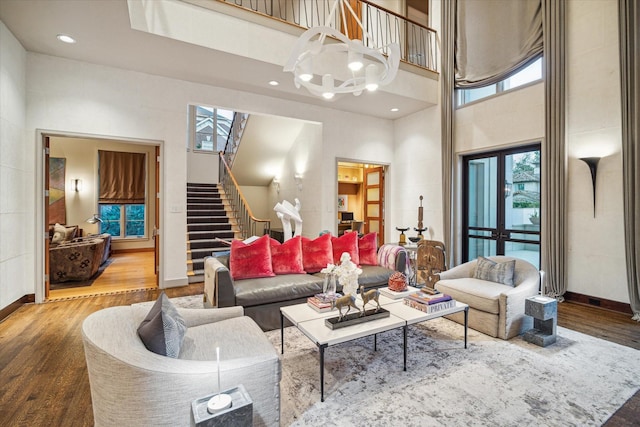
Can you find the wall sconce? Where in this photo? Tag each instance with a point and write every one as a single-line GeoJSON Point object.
{"type": "Point", "coordinates": [508, 188]}
{"type": "Point", "coordinates": [276, 183]}
{"type": "Point", "coordinates": [298, 178]}
{"type": "Point", "coordinates": [592, 162]}
{"type": "Point", "coordinates": [76, 184]}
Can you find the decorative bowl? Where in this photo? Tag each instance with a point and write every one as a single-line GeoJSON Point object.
{"type": "Point", "coordinates": [415, 239]}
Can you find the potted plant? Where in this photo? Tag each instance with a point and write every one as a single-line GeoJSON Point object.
{"type": "Point", "coordinates": [534, 218]}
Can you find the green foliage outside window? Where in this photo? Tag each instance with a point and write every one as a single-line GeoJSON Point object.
{"type": "Point", "coordinates": [115, 218]}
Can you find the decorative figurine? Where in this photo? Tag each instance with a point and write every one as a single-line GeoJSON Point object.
{"type": "Point", "coordinates": [345, 301]}
{"type": "Point", "coordinates": [288, 212]}
{"type": "Point", "coordinates": [420, 227]}
{"type": "Point", "coordinates": [367, 297]}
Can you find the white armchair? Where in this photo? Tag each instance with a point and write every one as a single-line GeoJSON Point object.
{"type": "Point", "coordinates": [131, 385]}
{"type": "Point", "coordinates": [494, 309]}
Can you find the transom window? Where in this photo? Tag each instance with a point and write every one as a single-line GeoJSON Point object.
{"type": "Point", "coordinates": [529, 74]}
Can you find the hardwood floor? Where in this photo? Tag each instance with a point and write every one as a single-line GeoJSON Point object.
{"type": "Point", "coordinates": [126, 272]}
{"type": "Point", "coordinates": [43, 375]}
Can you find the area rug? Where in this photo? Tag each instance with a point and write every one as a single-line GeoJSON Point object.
{"type": "Point", "coordinates": [578, 381]}
{"type": "Point", "coordinates": [81, 283]}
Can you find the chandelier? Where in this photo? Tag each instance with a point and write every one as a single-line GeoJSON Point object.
{"type": "Point", "coordinates": [341, 65]}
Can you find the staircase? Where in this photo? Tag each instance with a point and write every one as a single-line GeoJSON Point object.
{"type": "Point", "coordinates": [207, 221]}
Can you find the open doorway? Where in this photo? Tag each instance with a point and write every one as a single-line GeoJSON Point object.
{"type": "Point", "coordinates": [361, 198]}
{"type": "Point", "coordinates": [97, 245]}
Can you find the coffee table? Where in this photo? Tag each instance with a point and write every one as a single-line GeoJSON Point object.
{"type": "Point", "coordinates": [312, 325]}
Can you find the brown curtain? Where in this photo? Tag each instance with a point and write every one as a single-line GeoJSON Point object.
{"type": "Point", "coordinates": [629, 14]}
{"type": "Point", "coordinates": [122, 177]}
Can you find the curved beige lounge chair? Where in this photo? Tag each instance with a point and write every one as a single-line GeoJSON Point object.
{"type": "Point", "coordinates": [130, 385]}
{"type": "Point", "coordinates": [494, 309]}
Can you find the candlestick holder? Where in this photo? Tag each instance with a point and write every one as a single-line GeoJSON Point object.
{"type": "Point", "coordinates": [403, 237]}
{"type": "Point", "coordinates": [419, 231]}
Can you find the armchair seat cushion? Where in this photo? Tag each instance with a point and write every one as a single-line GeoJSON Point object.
{"type": "Point", "coordinates": [232, 336]}
{"type": "Point", "coordinates": [479, 294]}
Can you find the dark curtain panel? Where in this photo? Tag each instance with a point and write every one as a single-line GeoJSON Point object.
{"type": "Point", "coordinates": [122, 177]}
{"type": "Point", "coordinates": [629, 15]}
{"type": "Point", "coordinates": [495, 38]}
{"type": "Point", "coordinates": [554, 159]}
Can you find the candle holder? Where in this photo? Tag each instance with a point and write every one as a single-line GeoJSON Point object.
{"type": "Point", "coordinates": [403, 237]}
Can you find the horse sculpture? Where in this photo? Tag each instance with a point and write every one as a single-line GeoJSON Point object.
{"type": "Point", "coordinates": [345, 301]}
{"type": "Point", "coordinates": [367, 297]}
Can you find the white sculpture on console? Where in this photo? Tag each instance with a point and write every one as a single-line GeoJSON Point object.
{"type": "Point", "coordinates": [287, 212]}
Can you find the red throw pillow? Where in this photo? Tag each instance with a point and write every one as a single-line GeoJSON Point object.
{"type": "Point", "coordinates": [368, 249]}
{"type": "Point", "coordinates": [250, 260]}
{"type": "Point", "coordinates": [286, 258]}
{"type": "Point", "coordinates": [316, 254]}
{"type": "Point", "coordinates": [348, 242]}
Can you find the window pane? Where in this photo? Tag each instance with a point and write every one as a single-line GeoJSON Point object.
{"type": "Point", "coordinates": [110, 215]}
{"type": "Point", "coordinates": [530, 74]}
{"type": "Point", "coordinates": [471, 95]}
{"type": "Point", "coordinates": [135, 220]}
{"type": "Point", "coordinates": [481, 247]}
{"type": "Point", "coordinates": [526, 251]}
{"type": "Point", "coordinates": [483, 175]}
{"type": "Point", "coordinates": [522, 207]}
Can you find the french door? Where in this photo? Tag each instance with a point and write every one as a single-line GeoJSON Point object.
{"type": "Point", "coordinates": [501, 204]}
{"type": "Point", "coordinates": [374, 201]}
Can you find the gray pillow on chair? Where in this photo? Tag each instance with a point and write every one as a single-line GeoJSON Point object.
{"type": "Point", "coordinates": [163, 330]}
{"type": "Point", "coordinates": [499, 272]}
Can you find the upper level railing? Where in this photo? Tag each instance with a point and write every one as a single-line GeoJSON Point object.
{"type": "Point", "coordinates": [248, 224]}
{"type": "Point", "coordinates": [418, 43]}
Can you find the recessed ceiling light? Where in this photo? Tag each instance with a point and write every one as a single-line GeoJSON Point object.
{"type": "Point", "coordinates": [274, 83]}
{"type": "Point", "coordinates": [65, 38]}
{"type": "Point", "coordinates": [395, 109]}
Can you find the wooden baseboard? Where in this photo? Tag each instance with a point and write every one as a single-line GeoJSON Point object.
{"type": "Point", "coordinates": [5, 312]}
{"type": "Point", "coordinates": [131, 250]}
{"type": "Point", "coordinates": [598, 302]}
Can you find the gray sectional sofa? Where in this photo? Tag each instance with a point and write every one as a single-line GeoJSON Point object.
{"type": "Point", "coordinates": [263, 297]}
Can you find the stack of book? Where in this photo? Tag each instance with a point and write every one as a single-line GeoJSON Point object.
{"type": "Point", "coordinates": [398, 294]}
{"type": "Point", "coordinates": [322, 302]}
{"type": "Point", "coordinates": [429, 303]}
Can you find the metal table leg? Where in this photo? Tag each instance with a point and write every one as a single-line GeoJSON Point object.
{"type": "Point", "coordinates": [405, 330]}
{"type": "Point", "coordinates": [466, 325]}
{"type": "Point", "coordinates": [282, 332]}
{"type": "Point", "coordinates": [321, 349]}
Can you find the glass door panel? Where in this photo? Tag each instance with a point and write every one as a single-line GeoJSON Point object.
{"type": "Point", "coordinates": [502, 204]}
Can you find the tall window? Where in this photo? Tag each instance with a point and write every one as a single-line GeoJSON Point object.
{"type": "Point", "coordinates": [529, 74]}
{"type": "Point", "coordinates": [210, 128]}
{"type": "Point", "coordinates": [122, 197]}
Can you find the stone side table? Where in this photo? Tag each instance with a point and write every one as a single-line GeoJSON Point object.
{"type": "Point", "coordinates": [240, 414]}
{"type": "Point", "coordinates": [544, 311]}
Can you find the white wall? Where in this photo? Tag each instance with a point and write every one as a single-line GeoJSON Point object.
{"type": "Point", "coordinates": [16, 170]}
{"type": "Point", "coordinates": [72, 96]}
{"type": "Point", "coordinates": [596, 261]}
{"type": "Point", "coordinates": [258, 198]}
{"type": "Point", "coordinates": [202, 168]}
{"type": "Point", "coordinates": [81, 156]}
{"type": "Point", "coordinates": [417, 171]}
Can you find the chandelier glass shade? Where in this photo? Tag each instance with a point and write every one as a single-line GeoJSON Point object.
{"type": "Point", "coordinates": [336, 65]}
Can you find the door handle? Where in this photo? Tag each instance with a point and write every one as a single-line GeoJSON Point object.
{"type": "Point", "coordinates": [506, 235]}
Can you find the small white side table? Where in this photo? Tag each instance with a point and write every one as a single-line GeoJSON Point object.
{"type": "Point", "coordinates": [544, 311]}
{"type": "Point", "coordinates": [240, 414]}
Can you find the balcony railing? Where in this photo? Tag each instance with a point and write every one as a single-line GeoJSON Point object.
{"type": "Point", "coordinates": [418, 44]}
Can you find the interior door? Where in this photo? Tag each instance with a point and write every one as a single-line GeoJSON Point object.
{"type": "Point", "coordinates": [45, 174]}
{"type": "Point", "coordinates": [501, 205]}
{"type": "Point", "coordinates": [374, 201]}
{"type": "Point", "coordinates": [156, 225]}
